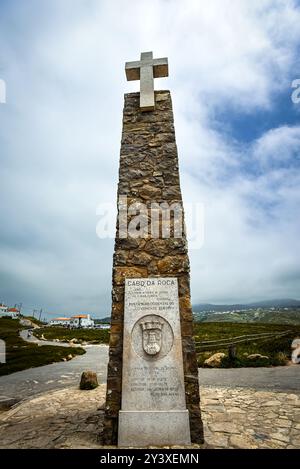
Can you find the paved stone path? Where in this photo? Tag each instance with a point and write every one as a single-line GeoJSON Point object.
{"type": "Point", "coordinates": [233, 418]}
{"type": "Point", "coordinates": [26, 383]}
{"type": "Point", "coordinates": [239, 409]}
{"type": "Point", "coordinates": [277, 378]}
{"type": "Point", "coordinates": [24, 335]}
{"type": "Point", "coordinates": [247, 418]}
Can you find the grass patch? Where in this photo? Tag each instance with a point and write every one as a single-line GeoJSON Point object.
{"type": "Point", "coordinates": [21, 355]}
{"type": "Point", "coordinates": [278, 350]}
{"type": "Point", "coordinates": [92, 336]}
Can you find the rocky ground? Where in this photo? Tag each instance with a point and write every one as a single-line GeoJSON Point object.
{"type": "Point", "coordinates": [233, 418]}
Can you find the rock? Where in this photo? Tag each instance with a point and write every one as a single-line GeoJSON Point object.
{"type": "Point", "coordinates": [88, 380]}
{"type": "Point", "coordinates": [256, 356]}
{"type": "Point", "coordinates": [69, 357]}
{"type": "Point", "coordinates": [224, 427]}
{"type": "Point", "coordinates": [296, 343]}
{"type": "Point", "coordinates": [217, 440]}
{"type": "Point", "coordinates": [280, 437]}
{"type": "Point", "coordinates": [215, 360]}
{"type": "Point", "coordinates": [241, 441]}
{"type": "Point", "coordinates": [141, 258]}
{"type": "Point", "coordinates": [149, 192]}
{"type": "Point", "coordinates": [172, 264]}
{"type": "Point", "coordinates": [120, 273]}
{"type": "Point", "coordinates": [7, 402]}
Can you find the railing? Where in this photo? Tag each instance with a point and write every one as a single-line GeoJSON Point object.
{"type": "Point", "coordinates": [207, 345]}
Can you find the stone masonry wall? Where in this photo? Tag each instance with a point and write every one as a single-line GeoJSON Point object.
{"type": "Point", "coordinates": [149, 173]}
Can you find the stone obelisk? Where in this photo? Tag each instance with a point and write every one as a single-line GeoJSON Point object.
{"type": "Point", "coordinates": [152, 384]}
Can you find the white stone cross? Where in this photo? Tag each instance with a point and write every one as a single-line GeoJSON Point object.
{"type": "Point", "coordinates": [146, 70]}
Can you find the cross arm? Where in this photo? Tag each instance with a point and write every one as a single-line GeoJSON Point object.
{"type": "Point", "coordinates": [132, 70]}
{"type": "Point", "coordinates": [160, 68]}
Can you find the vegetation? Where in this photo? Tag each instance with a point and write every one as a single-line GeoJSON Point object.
{"type": "Point", "coordinates": [92, 336]}
{"type": "Point", "coordinates": [21, 355]}
{"type": "Point", "coordinates": [277, 349]}
{"type": "Point", "coordinates": [260, 315]}
{"type": "Point", "coordinates": [34, 320]}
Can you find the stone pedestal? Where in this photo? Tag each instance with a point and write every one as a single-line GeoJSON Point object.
{"type": "Point", "coordinates": [149, 173]}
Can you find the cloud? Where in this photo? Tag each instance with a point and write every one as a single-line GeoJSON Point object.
{"type": "Point", "coordinates": [63, 63]}
{"type": "Point", "coordinates": [279, 147]}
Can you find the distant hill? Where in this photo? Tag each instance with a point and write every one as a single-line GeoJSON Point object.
{"type": "Point", "coordinates": [281, 303]}
{"type": "Point", "coordinates": [102, 320]}
{"type": "Point", "coordinates": [291, 316]}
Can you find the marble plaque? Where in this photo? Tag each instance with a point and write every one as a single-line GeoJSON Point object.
{"type": "Point", "coordinates": [152, 381]}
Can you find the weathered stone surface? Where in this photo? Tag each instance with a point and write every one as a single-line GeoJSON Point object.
{"type": "Point", "coordinates": [88, 380]}
{"type": "Point", "coordinates": [149, 173]}
{"type": "Point", "coordinates": [214, 360]}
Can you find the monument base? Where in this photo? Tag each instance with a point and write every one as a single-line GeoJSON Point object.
{"type": "Point", "coordinates": [154, 428]}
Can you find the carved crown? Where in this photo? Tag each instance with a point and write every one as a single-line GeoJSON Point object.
{"type": "Point", "coordinates": [147, 325]}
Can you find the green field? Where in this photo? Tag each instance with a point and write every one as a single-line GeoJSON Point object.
{"type": "Point", "coordinates": [278, 350]}
{"type": "Point", "coordinates": [92, 336]}
{"type": "Point", "coordinates": [21, 355]}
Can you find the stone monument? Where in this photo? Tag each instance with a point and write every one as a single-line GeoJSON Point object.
{"type": "Point", "coordinates": [152, 384]}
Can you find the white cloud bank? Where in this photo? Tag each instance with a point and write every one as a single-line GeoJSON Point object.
{"type": "Point", "coordinates": [63, 63]}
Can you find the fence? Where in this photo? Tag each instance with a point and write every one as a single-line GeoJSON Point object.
{"type": "Point", "coordinates": [231, 342]}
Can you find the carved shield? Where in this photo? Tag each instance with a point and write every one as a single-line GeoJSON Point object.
{"type": "Point", "coordinates": [152, 337]}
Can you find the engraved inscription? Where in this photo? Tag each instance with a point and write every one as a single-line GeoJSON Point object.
{"type": "Point", "coordinates": [156, 384]}
{"type": "Point", "coordinates": [152, 375]}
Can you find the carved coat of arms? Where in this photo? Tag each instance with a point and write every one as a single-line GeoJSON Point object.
{"type": "Point", "coordinates": [152, 336]}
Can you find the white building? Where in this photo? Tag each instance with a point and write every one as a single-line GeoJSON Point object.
{"type": "Point", "coordinates": [81, 320]}
{"type": "Point", "coordinates": [60, 322]}
{"type": "Point", "coordinates": [13, 313]}
{"type": "Point", "coordinates": [103, 326]}
{"type": "Point", "coordinates": [77, 321]}
{"type": "Point", "coordinates": [3, 309]}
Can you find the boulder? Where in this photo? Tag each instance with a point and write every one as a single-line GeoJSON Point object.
{"type": "Point", "coordinates": [256, 356]}
{"type": "Point", "coordinates": [88, 380]}
{"type": "Point", "coordinates": [296, 343]}
{"type": "Point", "coordinates": [215, 360]}
{"type": "Point", "coordinates": [7, 402]}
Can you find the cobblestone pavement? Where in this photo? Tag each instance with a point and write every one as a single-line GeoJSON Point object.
{"type": "Point", "coordinates": [233, 418]}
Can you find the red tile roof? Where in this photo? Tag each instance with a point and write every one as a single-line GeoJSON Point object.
{"type": "Point", "coordinates": [61, 319]}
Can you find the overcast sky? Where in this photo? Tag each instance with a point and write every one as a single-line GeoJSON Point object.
{"type": "Point", "coordinates": [231, 65]}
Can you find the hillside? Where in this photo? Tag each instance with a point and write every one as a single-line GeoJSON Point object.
{"type": "Point", "coordinates": [289, 316]}
{"type": "Point", "coordinates": [274, 350]}
{"type": "Point", "coordinates": [279, 303]}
